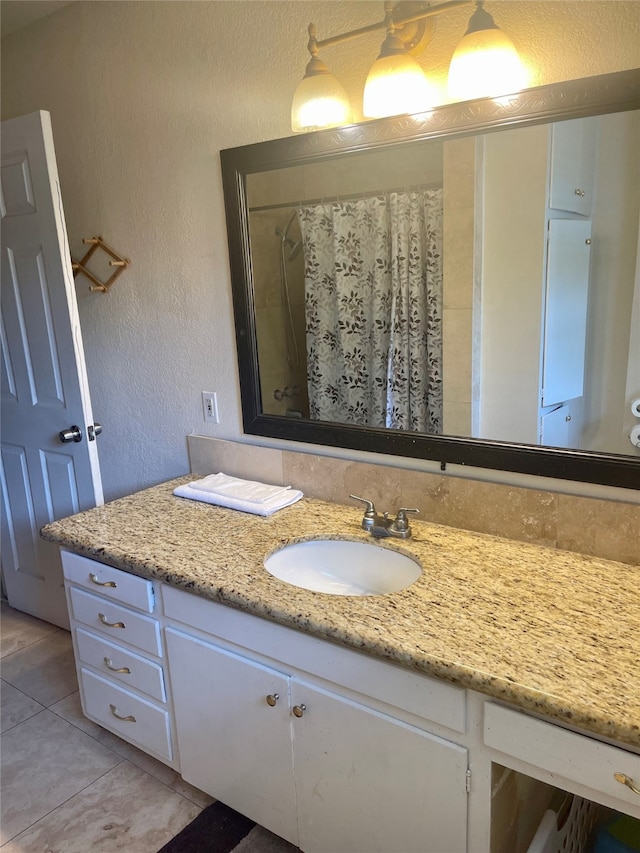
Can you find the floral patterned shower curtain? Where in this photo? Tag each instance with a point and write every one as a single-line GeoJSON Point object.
{"type": "Point", "coordinates": [373, 303]}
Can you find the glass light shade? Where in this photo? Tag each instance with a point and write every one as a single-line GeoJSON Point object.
{"type": "Point", "coordinates": [319, 101]}
{"type": "Point", "coordinates": [484, 65]}
{"type": "Point", "coordinates": [396, 85]}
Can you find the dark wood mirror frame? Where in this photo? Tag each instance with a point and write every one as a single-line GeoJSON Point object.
{"type": "Point", "coordinates": [607, 93]}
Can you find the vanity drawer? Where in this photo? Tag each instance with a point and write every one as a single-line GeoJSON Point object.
{"type": "Point", "coordinates": [109, 582]}
{"type": "Point", "coordinates": [115, 621]}
{"type": "Point", "coordinates": [109, 658]}
{"type": "Point", "coordinates": [106, 703]}
{"type": "Point", "coordinates": [573, 756]}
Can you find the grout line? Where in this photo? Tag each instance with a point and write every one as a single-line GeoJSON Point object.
{"type": "Point", "coordinates": [62, 698]}
{"type": "Point", "coordinates": [47, 637]}
{"type": "Point", "coordinates": [120, 758]}
{"type": "Point", "coordinates": [26, 719]}
{"type": "Point", "coordinates": [63, 803]}
{"type": "Point", "coordinates": [125, 758]}
{"type": "Point", "coordinates": [27, 645]}
{"type": "Point", "coordinates": [26, 695]}
{"type": "Point", "coordinates": [84, 731]}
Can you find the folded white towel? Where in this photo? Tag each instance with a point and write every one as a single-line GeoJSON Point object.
{"type": "Point", "coordinates": [243, 495]}
{"type": "Point", "coordinates": [233, 487]}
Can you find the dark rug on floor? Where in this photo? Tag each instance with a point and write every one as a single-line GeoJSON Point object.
{"type": "Point", "coordinates": [217, 829]}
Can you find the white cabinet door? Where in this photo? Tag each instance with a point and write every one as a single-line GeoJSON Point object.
{"type": "Point", "coordinates": [567, 293]}
{"type": "Point", "coordinates": [232, 743]}
{"type": "Point", "coordinates": [367, 781]}
{"type": "Point", "coordinates": [573, 152]}
{"type": "Point", "coordinates": [554, 428]}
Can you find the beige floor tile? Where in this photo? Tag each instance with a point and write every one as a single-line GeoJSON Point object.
{"type": "Point", "coordinates": [19, 629]}
{"type": "Point", "coordinates": [260, 840]}
{"type": "Point", "coordinates": [123, 810]}
{"type": "Point", "coordinates": [45, 760]}
{"type": "Point", "coordinates": [15, 707]}
{"type": "Point", "coordinates": [70, 709]}
{"type": "Point", "coordinates": [44, 670]}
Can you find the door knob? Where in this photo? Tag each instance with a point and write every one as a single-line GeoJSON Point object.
{"type": "Point", "coordinates": [74, 433]}
{"type": "Point", "coordinates": [272, 698]}
{"type": "Point", "coordinates": [93, 430]}
{"type": "Point", "coordinates": [298, 710]}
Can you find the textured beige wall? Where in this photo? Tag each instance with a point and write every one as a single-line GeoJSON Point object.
{"type": "Point", "coordinates": [143, 95]}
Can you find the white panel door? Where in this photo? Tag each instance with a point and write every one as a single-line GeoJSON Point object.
{"type": "Point", "coordinates": [554, 428]}
{"type": "Point", "coordinates": [567, 293]}
{"type": "Point", "coordinates": [44, 383]}
{"type": "Point", "coordinates": [368, 782]}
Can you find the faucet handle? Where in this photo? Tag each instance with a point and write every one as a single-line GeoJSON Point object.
{"type": "Point", "coordinates": [401, 523]}
{"type": "Point", "coordinates": [370, 510]}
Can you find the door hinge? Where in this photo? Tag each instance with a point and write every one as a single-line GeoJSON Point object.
{"type": "Point", "coordinates": [467, 783]}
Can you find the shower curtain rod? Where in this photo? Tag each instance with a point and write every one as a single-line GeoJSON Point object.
{"type": "Point", "coordinates": [344, 197]}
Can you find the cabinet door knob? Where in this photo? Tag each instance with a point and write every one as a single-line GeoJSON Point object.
{"type": "Point", "coordinates": [579, 192]}
{"type": "Point", "coordinates": [128, 719]}
{"type": "Point", "coordinates": [298, 710]}
{"type": "Point", "coordinates": [103, 619]}
{"type": "Point", "coordinates": [109, 665]}
{"type": "Point", "coordinates": [94, 579]}
{"type": "Point", "coordinates": [626, 780]}
{"type": "Point", "coordinates": [272, 698]}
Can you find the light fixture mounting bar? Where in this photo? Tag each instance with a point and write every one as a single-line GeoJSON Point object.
{"type": "Point", "coordinates": [427, 12]}
{"type": "Point", "coordinates": [430, 12]}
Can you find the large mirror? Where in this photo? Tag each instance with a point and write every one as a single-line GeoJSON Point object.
{"type": "Point", "coordinates": [461, 286]}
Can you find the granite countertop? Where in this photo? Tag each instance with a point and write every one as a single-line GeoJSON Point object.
{"type": "Point", "coordinates": [549, 631]}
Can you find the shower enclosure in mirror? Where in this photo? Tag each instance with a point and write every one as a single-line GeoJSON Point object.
{"type": "Point", "coordinates": [457, 286]}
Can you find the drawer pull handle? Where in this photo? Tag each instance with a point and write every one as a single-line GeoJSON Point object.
{"type": "Point", "coordinates": [109, 665]}
{"type": "Point", "coordinates": [272, 698]}
{"type": "Point", "coordinates": [103, 619]}
{"type": "Point", "coordinates": [626, 780]}
{"type": "Point", "coordinates": [128, 719]}
{"type": "Point", "coordinates": [94, 579]}
{"type": "Point", "coordinates": [298, 710]}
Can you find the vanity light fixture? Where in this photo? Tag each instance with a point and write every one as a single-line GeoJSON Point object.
{"type": "Point", "coordinates": [485, 63]}
{"type": "Point", "coordinates": [396, 83]}
{"type": "Point", "coordinates": [320, 99]}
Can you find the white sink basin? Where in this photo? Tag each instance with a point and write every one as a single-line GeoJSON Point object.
{"type": "Point", "coordinates": [341, 567]}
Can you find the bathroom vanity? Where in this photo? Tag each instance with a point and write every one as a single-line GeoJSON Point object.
{"type": "Point", "coordinates": [355, 723]}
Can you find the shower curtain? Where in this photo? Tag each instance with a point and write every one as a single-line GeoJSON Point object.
{"type": "Point", "coordinates": [373, 305]}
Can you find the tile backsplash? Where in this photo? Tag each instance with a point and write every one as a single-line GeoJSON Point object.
{"type": "Point", "coordinates": [600, 528]}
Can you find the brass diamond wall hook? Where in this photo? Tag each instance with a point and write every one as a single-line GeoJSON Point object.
{"type": "Point", "coordinates": [117, 261]}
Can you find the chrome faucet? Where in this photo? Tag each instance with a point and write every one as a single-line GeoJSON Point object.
{"type": "Point", "coordinates": [381, 525]}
